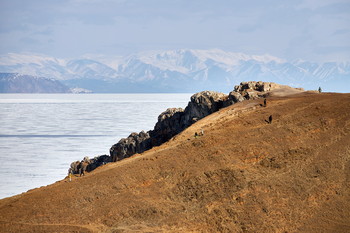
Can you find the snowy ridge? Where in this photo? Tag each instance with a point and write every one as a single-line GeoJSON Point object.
{"type": "Point", "coordinates": [175, 70]}
{"type": "Point", "coordinates": [33, 64]}
{"type": "Point", "coordinates": [25, 58]}
{"type": "Point", "coordinates": [190, 60]}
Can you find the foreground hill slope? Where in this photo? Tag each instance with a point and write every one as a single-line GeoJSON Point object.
{"type": "Point", "coordinates": [242, 175]}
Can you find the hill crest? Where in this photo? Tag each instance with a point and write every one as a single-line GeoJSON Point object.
{"type": "Point", "coordinates": [242, 175]}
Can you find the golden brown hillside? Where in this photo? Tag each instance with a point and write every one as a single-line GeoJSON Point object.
{"type": "Point", "coordinates": [243, 175]}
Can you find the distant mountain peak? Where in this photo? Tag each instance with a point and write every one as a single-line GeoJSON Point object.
{"type": "Point", "coordinates": [28, 58]}
{"type": "Point", "coordinates": [18, 83]}
{"type": "Point", "coordinates": [177, 70]}
{"type": "Point", "coordinates": [188, 60]}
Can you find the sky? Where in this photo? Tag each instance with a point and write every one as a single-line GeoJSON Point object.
{"type": "Point", "coordinates": [314, 30]}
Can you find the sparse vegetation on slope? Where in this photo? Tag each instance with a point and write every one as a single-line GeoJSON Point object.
{"type": "Point", "coordinates": [242, 175]}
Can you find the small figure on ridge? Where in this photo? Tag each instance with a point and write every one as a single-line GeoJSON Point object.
{"type": "Point", "coordinates": [270, 119]}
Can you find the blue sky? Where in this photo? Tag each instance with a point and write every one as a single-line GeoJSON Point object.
{"type": "Point", "coordinates": [316, 30]}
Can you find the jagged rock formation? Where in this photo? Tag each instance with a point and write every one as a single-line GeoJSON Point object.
{"type": "Point", "coordinates": [98, 161]}
{"type": "Point", "coordinates": [135, 143]}
{"type": "Point", "coordinates": [175, 120]}
{"type": "Point", "coordinates": [170, 123]}
{"type": "Point", "coordinates": [91, 164]}
{"type": "Point", "coordinates": [254, 90]}
{"type": "Point", "coordinates": [233, 97]}
{"type": "Point", "coordinates": [204, 103]}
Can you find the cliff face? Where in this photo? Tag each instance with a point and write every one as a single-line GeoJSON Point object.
{"type": "Point", "coordinates": [242, 175]}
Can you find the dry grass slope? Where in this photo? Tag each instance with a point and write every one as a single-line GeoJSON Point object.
{"type": "Point", "coordinates": [243, 175]}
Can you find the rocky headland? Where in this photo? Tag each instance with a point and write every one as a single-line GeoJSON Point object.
{"type": "Point", "coordinates": [174, 120]}
{"type": "Point", "coordinates": [244, 174]}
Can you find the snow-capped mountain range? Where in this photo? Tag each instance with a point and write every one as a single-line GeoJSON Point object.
{"type": "Point", "coordinates": [179, 71]}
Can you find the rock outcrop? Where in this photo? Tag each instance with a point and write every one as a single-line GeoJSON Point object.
{"type": "Point", "coordinates": [202, 104]}
{"type": "Point", "coordinates": [233, 97]}
{"type": "Point", "coordinates": [135, 143]}
{"type": "Point", "coordinates": [257, 86]}
{"type": "Point", "coordinates": [170, 123]}
{"type": "Point", "coordinates": [255, 90]}
{"type": "Point", "coordinates": [91, 164]}
{"type": "Point", "coordinates": [98, 161]}
{"type": "Point", "coordinates": [175, 120]}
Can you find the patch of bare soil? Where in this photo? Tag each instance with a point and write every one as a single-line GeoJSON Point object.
{"type": "Point", "coordinates": [242, 175]}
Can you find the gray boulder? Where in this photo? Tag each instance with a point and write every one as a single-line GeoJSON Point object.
{"type": "Point", "coordinates": [74, 167]}
{"type": "Point", "coordinates": [169, 124]}
{"type": "Point", "coordinates": [257, 86]}
{"type": "Point", "coordinates": [79, 167]}
{"type": "Point", "coordinates": [255, 90]}
{"type": "Point", "coordinates": [252, 95]}
{"type": "Point", "coordinates": [135, 143]}
{"type": "Point", "coordinates": [233, 97]}
{"type": "Point", "coordinates": [202, 104]}
{"type": "Point", "coordinates": [98, 161]}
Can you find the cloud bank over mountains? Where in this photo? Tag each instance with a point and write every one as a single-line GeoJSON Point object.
{"type": "Point", "coordinates": [309, 29]}
{"type": "Point", "coordinates": [183, 70]}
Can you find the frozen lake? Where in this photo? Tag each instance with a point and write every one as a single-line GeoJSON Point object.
{"type": "Point", "coordinates": [41, 134]}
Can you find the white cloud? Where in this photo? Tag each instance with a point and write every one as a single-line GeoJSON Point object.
{"type": "Point", "coordinates": [315, 4]}
{"type": "Point", "coordinates": [290, 29]}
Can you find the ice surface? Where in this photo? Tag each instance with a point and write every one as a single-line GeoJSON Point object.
{"type": "Point", "coordinates": [41, 134]}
